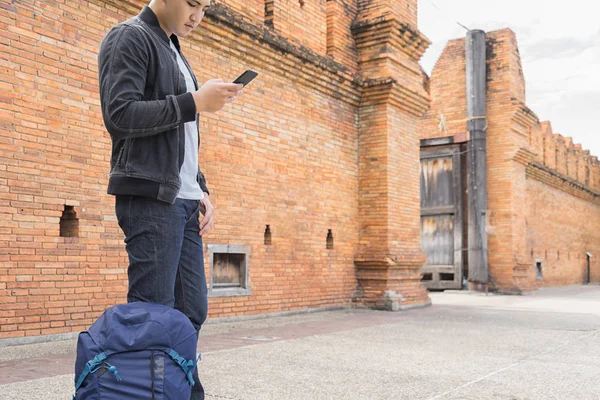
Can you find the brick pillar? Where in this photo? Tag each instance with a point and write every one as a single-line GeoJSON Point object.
{"type": "Point", "coordinates": [389, 258]}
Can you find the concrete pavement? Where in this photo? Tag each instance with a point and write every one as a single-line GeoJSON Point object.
{"type": "Point", "coordinates": [466, 346]}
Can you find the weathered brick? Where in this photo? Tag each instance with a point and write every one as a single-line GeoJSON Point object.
{"type": "Point", "coordinates": [543, 199]}
{"type": "Point", "coordinates": [286, 154]}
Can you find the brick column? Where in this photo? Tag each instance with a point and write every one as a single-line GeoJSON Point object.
{"type": "Point", "coordinates": [389, 258]}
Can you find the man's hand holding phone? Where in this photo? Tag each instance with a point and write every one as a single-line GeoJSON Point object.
{"type": "Point", "coordinates": [215, 93]}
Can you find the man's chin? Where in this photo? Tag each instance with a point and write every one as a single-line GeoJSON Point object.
{"type": "Point", "coordinates": [183, 33]}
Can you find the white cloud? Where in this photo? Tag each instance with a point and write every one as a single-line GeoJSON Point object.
{"type": "Point", "coordinates": [560, 52]}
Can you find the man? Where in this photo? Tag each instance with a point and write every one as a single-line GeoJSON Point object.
{"type": "Point", "coordinates": [150, 104]}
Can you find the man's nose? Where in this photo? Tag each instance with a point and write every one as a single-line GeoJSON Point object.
{"type": "Point", "coordinates": [197, 15]}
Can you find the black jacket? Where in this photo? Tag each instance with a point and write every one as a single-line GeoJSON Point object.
{"type": "Point", "coordinates": [144, 106]}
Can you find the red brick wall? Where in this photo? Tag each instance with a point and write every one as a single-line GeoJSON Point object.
{"type": "Point", "coordinates": [548, 156]}
{"type": "Point", "coordinates": [303, 21]}
{"type": "Point", "coordinates": [394, 98]}
{"type": "Point", "coordinates": [506, 178]}
{"type": "Point", "coordinates": [543, 194]}
{"type": "Point", "coordinates": [340, 42]}
{"type": "Point", "coordinates": [54, 152]}
{"type": "Point", "coordinates": [448, 89]}
{"type": "Point", "coordinates": [561, 229]}
{"type": "Point", "coordinates": [373, 199]}
{"type": "Point", "coordinates": [251, 11]}
{"type": "Point", "coordinates": [285, 154]}
{"type": "Point", "coordinates": [404, 235]}
{"type": "Point", "coordinates": [403, 10]}
{"type": "Point", "coordinates": [563, 208]}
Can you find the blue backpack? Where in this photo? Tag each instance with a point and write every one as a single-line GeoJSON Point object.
{"type": "Point", "coordinates": [136, 351]}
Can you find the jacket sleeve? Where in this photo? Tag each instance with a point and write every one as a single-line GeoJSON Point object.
{"type": "Point", "coordinates": [202, 181]}
{"type": "Point", "coordinates": [123, 64]}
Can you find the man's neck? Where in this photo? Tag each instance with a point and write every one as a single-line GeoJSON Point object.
{"type": "Point", "coordinates": [158, 10]}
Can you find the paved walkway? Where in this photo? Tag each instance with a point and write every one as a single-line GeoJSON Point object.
{"type": "Point", "coordinates": [466, 346]}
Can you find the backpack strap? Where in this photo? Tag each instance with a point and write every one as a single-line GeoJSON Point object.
{"type": "Point", "coordinates": [186, 365]}
{"type": "Point", "coordinates": [94, 365]}
{"type": "Point", "coordinates": [90, 367]}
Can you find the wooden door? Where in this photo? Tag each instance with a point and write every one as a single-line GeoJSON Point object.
{"type": "Point", "coordinates": [441, 217]}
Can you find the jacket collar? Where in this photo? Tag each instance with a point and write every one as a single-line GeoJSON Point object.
{"type": "Point", "coordinates": [148, 17]}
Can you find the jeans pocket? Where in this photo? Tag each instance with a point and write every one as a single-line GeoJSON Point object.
{"type": "Point", "coordinates": [196, 213]}
{"type": "Point", "coordinates": [122, 211]}
{"type": "Point", "coordinates": [149, 209]}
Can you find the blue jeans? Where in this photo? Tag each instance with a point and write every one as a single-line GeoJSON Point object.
{"type": "Point", "coordinates": [166, 258]}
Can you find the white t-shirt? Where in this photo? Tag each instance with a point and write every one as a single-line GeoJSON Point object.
{"type": "Point", "coordinates": [190, 189]}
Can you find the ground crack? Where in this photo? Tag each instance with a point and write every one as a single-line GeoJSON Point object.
{"type": "Point", "coordinates": [222, 397]}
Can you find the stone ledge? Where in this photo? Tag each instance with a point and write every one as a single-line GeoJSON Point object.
{"type": "Point", "coordinates": [390, 285]}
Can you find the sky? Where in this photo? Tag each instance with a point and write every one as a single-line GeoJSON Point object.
{"type": "Point", "coordinates": [559, 45]}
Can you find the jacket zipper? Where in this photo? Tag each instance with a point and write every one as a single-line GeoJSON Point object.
{"type": "Point", "coordinates": [179, 162]}
{"type": "Point", "coordinates": [178, 76]}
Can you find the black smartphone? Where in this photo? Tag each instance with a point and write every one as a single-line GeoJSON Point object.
{"type": "Point", "coordinates": [246, 77]}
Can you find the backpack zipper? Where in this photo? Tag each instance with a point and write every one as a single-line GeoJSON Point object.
{"type": "Point", "coordinates": [152, 366]}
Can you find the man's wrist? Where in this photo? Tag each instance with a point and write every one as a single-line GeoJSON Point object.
{"type": "Point", "coordinates": [199, 103]}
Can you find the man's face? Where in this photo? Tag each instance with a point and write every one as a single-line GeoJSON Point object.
{"type": "Point", "coordinates": [185, 15]}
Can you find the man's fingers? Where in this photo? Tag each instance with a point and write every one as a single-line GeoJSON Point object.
{"type": "Point", "coordinates": [233, 87]}
{"type": "Point", "coordinates": [206, 219]}
{"type": "Point", "coordinates": [231, 98]}
{"type": "Point", "coordinates": [205, 229]}
{"type": "Point", "coordinates": [207, 222]}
